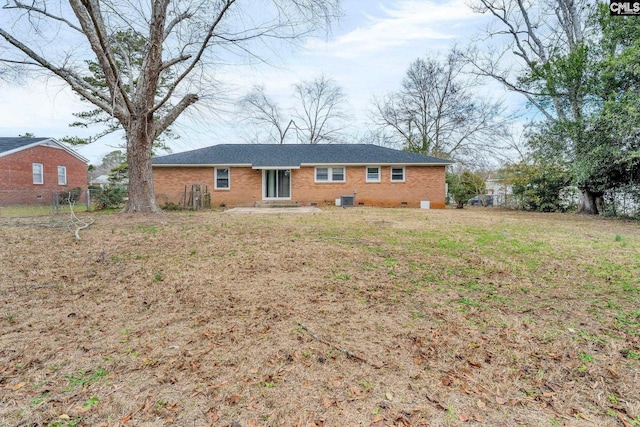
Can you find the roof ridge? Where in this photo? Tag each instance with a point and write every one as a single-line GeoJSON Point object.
{"type": "Point", "coordinates": [294, 155]}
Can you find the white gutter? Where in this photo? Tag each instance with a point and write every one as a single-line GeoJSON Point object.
{"type": "Point", "coordinates": [202, 165]}
{"type": "Point", "coordinates": [377, 164]}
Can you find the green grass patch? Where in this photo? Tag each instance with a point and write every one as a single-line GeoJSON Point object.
{"type": "Point", "coordinates": [83, 378]}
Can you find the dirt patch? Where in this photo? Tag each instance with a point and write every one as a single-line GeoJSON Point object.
{"type": "Point", "coordinates": [350, 317]}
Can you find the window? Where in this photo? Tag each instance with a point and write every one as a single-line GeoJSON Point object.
{"type": "Point", "coordinates": [62, 175]}
{"type": "Point", "coordinates": [335, 174]}
{"type": "Point", "coordinates": [322, 174]}
{"type": "Point", "coordinates": [373, 173]}
{"type": "Point", "coordinates": [222, 179]}
{"type": "Point", "coordinates": [397, 174]}
{"type": "Point", "coordinates": [38, 173]}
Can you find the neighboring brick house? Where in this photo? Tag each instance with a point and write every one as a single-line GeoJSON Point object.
{"type": "Point", "coordinates": [251, 174]}
{"type": "Point", "coordinates": [33, 170]}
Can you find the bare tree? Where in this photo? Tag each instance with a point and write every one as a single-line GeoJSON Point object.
{"type": "Point", "coordinates": [10, 71]}
{"type": "Point", "coordinates": [264, 113]}
{"type": "Point", "coordinates": [376, 136]}
{"type": "Point", "coordinates": [321, 116]}
{"type": "Point", "coordinates": [537, 49]}
{"type": "Point", "coordinates": [534, 31]}
{"type": "Point", "coordinates": [437, 112]}
{"type": "Point", "coordinates": [184, 39]}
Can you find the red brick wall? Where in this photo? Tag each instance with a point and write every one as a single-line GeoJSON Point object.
{"type": "Point", "coordinates": [16, 175]}
{"type": "Point", "coordinates": [421, 183]}
{"type": "Point", "coordinates": [170, 182]}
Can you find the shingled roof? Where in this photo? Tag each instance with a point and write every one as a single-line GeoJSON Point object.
{"type": "Point", "coordinates": [293, 156]}
{"type": "Point", "coordinates": [10, 145]}
{"type": "Point", "coordinates": [17, 144]}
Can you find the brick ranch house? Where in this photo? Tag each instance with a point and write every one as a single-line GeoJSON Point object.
{"type": "Point", "coordinates": [254, 174]}
{"type": "Point", "coordinates": [33, 170]}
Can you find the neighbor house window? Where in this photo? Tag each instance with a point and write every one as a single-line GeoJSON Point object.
{"type": "Point", "coordinates": [373, 173]}
{"type": "Point", "coordinates": [38, 173]}
{"type": "Point", "coordinates": [334, 174]}
{"type": "Point", "coordinates": [397, 174]}
{"type": "Point", "coordinates": [62, 175]}
{"type": "Point", "coordinates": [222, 178]}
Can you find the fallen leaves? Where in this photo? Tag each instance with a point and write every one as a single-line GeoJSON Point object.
{"type": "Point", "coordinates": [436, 403]}
{"type": "Point", "coordinates": [234, 399]}
{"type": "Point", "coordinates": [17, 386]}
{"type": "Point", "coordinates": [326, 402]}
{"type": "Point", "coordinates": [205, 350]}
{"type": "Point", "coordinates": [501, 400]}
{"type": "Point", "coordinates": [624, 421]}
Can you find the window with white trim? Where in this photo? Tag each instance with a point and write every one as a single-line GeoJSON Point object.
{"type": "Point", "coordinates": [222, 179]}
{"type": "Point", "coordinates": [337, 174]}
{"type": "Point", "coordinates": [397, 174]}
{"type": "Point", "coordinates": [373, 173]}
{"type": "Point", "coordinates": [38, 173]}
{"type": "Point", "coordinates": [333, 174]}
{"type": "Point", "coordinates": [62, 175]}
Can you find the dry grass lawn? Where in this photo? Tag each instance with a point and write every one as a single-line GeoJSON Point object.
{"type": "Point", "coordinates": [349, 317]}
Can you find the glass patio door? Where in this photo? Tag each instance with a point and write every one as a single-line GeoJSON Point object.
{"type": "Point", "coordinates": [277, 184]}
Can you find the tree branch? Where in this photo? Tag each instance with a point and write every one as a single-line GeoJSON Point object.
{"type": "Point", "coordinates": [90, 18]}
{"type": "Point", "coordinates": [19, 5]}
{"type": "Point", "coordinates": [349, 354]}
{"type": "Point", "coordinates": [173, 114]}
{"type": "Point", "coordinates": [175, 21]}
{"type": "Point", "coordinates": [76, 83]}
{"type": "Point", "coordinates": [203, 46]}
{"type": "Point", "coordinates": [174, 61]}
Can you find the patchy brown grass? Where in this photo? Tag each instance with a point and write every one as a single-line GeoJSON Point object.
{"type": "Point", "coordinates": [345, 318]}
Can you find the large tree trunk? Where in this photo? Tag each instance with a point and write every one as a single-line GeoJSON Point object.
{"type": "Point", "coordinates": [590, 202]}
{"type": "Point", "coordinates": [142, 196]}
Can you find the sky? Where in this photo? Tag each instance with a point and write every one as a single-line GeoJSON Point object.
{"type": "Point", "coordinates": [367, 53]}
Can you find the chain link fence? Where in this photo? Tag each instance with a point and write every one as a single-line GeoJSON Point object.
{"type": "Point", "coordinates": [42, 202]}
{"type": "Point", "coordinates": [46, 208]}
{"type": "Point", "coordinates": [624, 201]}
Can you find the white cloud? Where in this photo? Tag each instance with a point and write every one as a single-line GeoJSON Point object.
{"type": "Point", "coordinates": [401, 25]}
{"type": "Point", "coordinates": [44, 108]}
{"type": "Point", "coordinates": [371, 56]}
